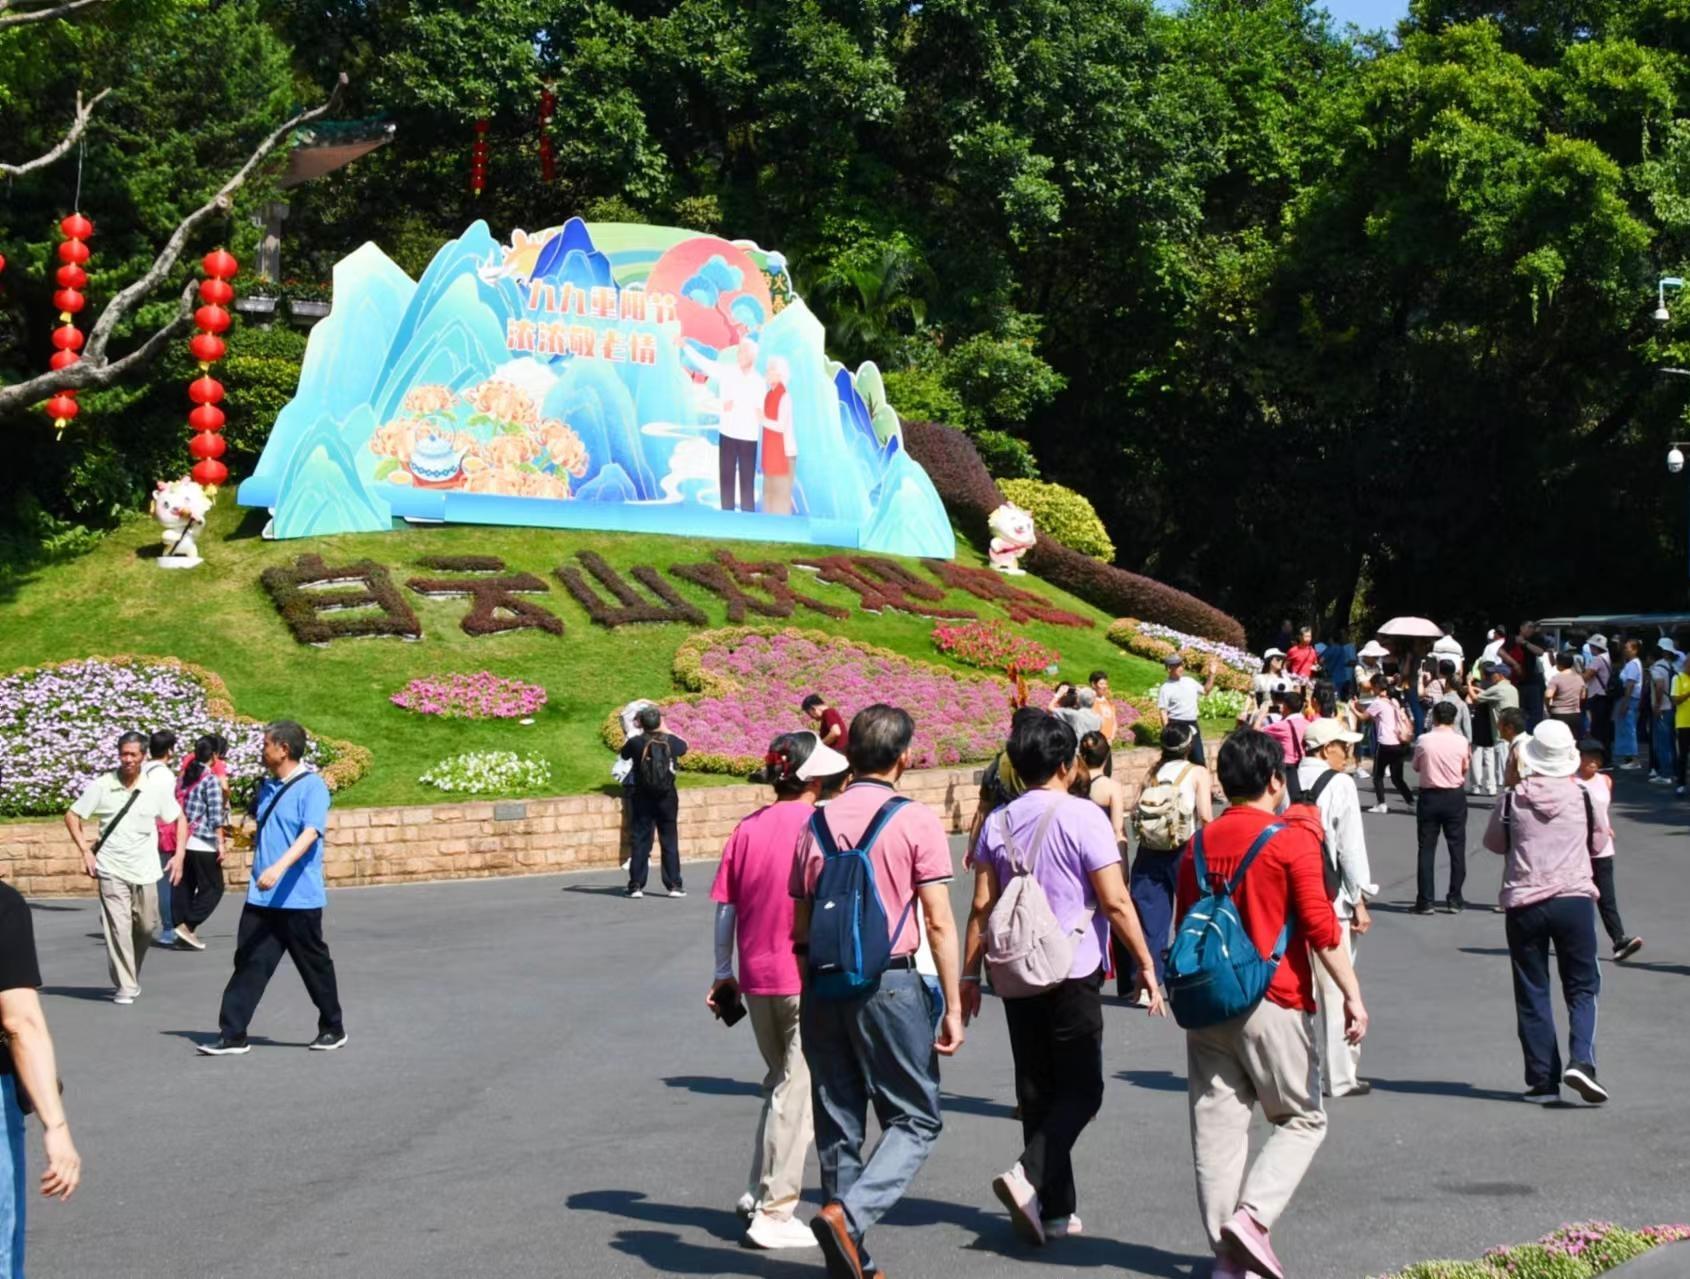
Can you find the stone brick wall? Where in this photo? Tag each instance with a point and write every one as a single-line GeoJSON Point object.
{"type": "Point", "coordinates": [481, 839]}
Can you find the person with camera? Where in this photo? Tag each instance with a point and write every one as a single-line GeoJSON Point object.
{"type": "Point", "coordinates": [29, 1080]}
{"type": "Point", "coordinates": [755, 910]}
{"type": "Point", "coordinates": [654, 805]}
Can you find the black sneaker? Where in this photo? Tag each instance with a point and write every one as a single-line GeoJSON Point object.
{"type": "Point", "coordinates": [328, 1041]}
{"type": "Point", "coordinates": [1421, 907]}
{"type": "Point", "coordinates": [221, 1047]}
{"type": "Point", "coordinates": [1627, 948]}
{"type": "Point", "coordinates": [1581, 1078]}
{"type": "Point", "coordinates": [1453, 905]}
{"type": "Point", "coordinates": [1542, 1095]}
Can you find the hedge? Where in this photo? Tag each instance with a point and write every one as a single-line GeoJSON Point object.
{"type": "Point", "coordinates": [953, 464]}
{"type": "Point", "coordinates": [1061, 513]}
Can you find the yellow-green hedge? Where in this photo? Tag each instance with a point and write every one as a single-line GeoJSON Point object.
{"type": "Point", "coordinates": [1062, 514]}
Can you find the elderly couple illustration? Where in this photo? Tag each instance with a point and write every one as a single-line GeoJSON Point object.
{"type": "Point", "coordinates": [754, 407]}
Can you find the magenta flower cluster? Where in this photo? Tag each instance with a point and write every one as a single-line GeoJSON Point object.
{"type": "Point", "coordinates": [958, 718]}
{"type": "Point", "coordinates": [482, 695]}
{"type": "Point", "coordinates": [59, 728]}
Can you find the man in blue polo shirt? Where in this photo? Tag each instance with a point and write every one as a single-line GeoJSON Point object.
{"type": "Point", "coordinates": [284, 903]}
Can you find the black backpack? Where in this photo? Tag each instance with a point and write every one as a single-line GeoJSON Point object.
{"type": "Point", "coordinates": [1311, 797]}
{"type": "Point", "coordinates": [655, 770]}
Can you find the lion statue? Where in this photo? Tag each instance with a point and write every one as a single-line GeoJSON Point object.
{"type": "Point", "coordinates": [181, 507]}
{"type": "Point", "coordinates": [1012, 537]}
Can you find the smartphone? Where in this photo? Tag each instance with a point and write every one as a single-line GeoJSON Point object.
{"type": "Point", "coordinates": [730, 1007]}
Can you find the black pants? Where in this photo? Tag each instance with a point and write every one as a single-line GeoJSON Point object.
{"type": "Point", "coordinates": [737, 456]}
{"type": "Point", "coordinates": [1196, 755]}
{"type": "Point", "coordinates": [1057, 1041]}
{"type": "Point", "coordinates": [1574, 722]}
{"type": "Point", "coordinates": [1683, 735]}
{"type": "Point", "coordinates": [1391, 758]}
{"type": "Point", "coordinates": [1608, 903]}
{"type": "Point", "coordinates": [648, 813]}
{"type": "Point", "coordinates": [267, 933]}
{"type": "Point", "coordinates": [1531, 702]}
{"type": "Point", "coordinates": [193, 900]}
{"type": "Point", "coordinates": [1442, 811]}
{"type": "Point", "coordinates": [1601, 712]}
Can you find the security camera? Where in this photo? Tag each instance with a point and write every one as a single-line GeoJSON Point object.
{"type": "Point", "coordinates": [1675, 460]}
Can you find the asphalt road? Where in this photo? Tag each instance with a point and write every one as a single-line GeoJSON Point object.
{"type": "Point", "coordinates": [533, 1087]}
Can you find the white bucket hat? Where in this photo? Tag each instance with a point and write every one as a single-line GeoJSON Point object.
{"type": "Point", "coordinates": [1373, 648]}
{"type": "Point", "coordinates": [1550, 751]}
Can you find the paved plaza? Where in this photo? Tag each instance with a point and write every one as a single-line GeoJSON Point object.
{"type": "Point", "coordinates": [534, 1087]}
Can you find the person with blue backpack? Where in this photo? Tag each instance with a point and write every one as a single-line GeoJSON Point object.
{"type": "Point", "coordinates": [866, 1017]}
{"type": "Point", "coordinates": [1252, 908]}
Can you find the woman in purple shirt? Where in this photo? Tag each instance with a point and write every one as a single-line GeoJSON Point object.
{"type": "Point", "coordinates": [1056, 1036]}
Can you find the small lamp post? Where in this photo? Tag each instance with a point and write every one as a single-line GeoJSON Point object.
{"type": "Point", "coordinates": [1667, 282]}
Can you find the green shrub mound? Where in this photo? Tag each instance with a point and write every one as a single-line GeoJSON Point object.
{"type": "Point", "coordinates": [1063, 514]}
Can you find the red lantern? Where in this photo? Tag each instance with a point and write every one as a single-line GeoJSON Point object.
{"type": "Point", "coordinates": [62, 406]}
{"type": "Point", "coordinates": [2, 261]}
{"type": "Point", "coordinates": [205, 390]}
{"type": "Point", "coordinates": [207, 444]}
{"type": "Point", "coordinates": [478, 158]}
{"type": "Point", "coordinates": [217, 292]}
{"type": "Point", "coordinates": [220, 264]}
{"type": "Point", "coordinates": [69, 302]}
{"type": "Point", "coordinates": [210, 473]}
{"type": "Point", "coordinates": [207, 417]}
{"type": "Point", "coordinates": [63, 360]}
{"type": "Point", "coordinates": [71, 276]}
{"type": "Point", "coordinates": [76, 227]}
{"type": "Point", "coordinates": [73, 251]}
{"type": "Point", "coordinates": [213, 319]}
{"type": "Point", "coordinates": [67, 337]}
{"type": "Point", "coordinates": [207, 348]}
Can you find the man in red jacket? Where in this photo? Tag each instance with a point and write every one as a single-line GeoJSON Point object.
{"type": "Point", "coordinates": [1267, 1055]}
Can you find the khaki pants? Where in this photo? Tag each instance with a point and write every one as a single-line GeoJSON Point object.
{"type": "Point", "coordinates": [1268, 1058]}
{"type": "Point", "coordinates": [1340, 1060]}
{"type": "Point", "coordinates": [783, 1127]}
{"type": "Point", "coordinates": [129, 918]}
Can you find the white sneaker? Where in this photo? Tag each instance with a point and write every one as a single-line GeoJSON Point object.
{"type": "Point", "coordinates": [681, 892]}
{"type": "Point", "coordinates": [635, 892]}
{"type": "Point", "coordinates": [1063, 1227]}
{"type": "Point", "coordinates": [124, 997]}
{"type": "Point", "coordinates": [746, 1206]}
{"type": "Point", "coordinates": [1630, 767]}
{"type": "Point", "coordinates": [1660, 781]}
{"type": "Point", "coordinates": [1380, 808]}
{"type": "Point", "coordinates": [775, 1232]}
{"type": "Point", "coordinates": [1016, 1194]}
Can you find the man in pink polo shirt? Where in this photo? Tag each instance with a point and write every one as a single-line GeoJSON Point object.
{"type": "Point", "coordinates": [879, 1046]}
{"type": "Point", "coordinates": [1441, 758]}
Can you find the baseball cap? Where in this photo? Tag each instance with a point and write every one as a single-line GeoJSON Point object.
{"type": "Point", "coordinates": [1323, 732]}
{"type": "Point", "coordinates": [1172, 660]}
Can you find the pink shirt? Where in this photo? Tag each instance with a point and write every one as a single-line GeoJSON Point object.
{"type": "Point", "coordinates": [1289, 733]}
{"type": "Point", "coordinates": [1441, 757]}
{"type": "Point", "coordinates": [911, 851]}
{"type": "Point", "coordinates": [1387, 718]}
{"type": "Point", "coordinates": [1549, 855]}
{"type": "Point", "coordinates": [756, 866]}
{"type": "Point", "coordinates": [1601, 791]}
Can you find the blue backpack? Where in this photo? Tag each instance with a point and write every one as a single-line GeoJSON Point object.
{"type": "Point", "coordinates": [850, 943]}
{"type": "Point", "coordinates": [1214, 971]}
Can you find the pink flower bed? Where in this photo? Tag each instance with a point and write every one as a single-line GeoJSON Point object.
{"type": "Point", "coordinates": [754, 682]}
{"type": "Point", "coordinates": [482, 695]}
{"type": "Point", "coordinates": [992, 646]}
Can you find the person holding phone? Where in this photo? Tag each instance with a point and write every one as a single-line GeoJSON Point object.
{"type": "Point", "coordinates": [754, 908]}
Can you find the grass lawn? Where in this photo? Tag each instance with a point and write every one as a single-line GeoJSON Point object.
{"type": "Point", "coordinates": [116, 601]}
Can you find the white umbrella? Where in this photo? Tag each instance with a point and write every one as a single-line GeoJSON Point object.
{"type": "Point", "coordinates": [1412, 628]}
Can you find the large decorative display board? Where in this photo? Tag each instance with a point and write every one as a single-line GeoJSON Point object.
{"type": "Point", "coordinates": [603, 376]}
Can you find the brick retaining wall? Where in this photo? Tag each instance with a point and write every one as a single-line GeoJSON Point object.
{"type": "Point", "coordinates": [480, 839]}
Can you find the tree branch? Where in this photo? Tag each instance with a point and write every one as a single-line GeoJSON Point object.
{"type": "Point", "coordinates": [12, 16]}
{"type": "Point", "coordinates": [83, 113]}
{"type": "Point", "coordinates": [93, 370]}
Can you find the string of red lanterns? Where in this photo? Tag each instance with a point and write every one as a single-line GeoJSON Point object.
{"type": "Point", "coordinates": [478, 159]}
{"type": "Point", "coordinates": [207, 444]}
{"type": "Point", "coordinates": [548, 160]}
{"type": "Point", "coordinates": [70, 298]}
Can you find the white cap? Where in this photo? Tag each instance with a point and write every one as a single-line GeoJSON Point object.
{"type": "Point", "coordinates": [824, 761]}
{"type": "Point", "coordinates": [1666, 645]}
{"type": "Point", "coordinates": [1271, 654]}
{"type": "Point", "coordinates": [1325, 731]}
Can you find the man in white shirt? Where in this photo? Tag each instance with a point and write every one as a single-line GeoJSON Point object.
{"type": "Point", "coordinates": [125, 859]}
{"type": "Point", "coordinates": [1326, 748]}
{"type": "Point", "coordinates": [159, 772]}
{"type": "Point", "coordinates": [741, 390]}
{"type": "Point", "coordinates": [1599, 690]}
{"type": "Point", "coordinates": [1177, 700]}
{"type": "Point", "coordinates": [1627, 689]}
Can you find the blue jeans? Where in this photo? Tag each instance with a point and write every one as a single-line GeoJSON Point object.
{"type": "Point", "coordinates": [1152, 883]}
{"type": "Point", "coordinates": [14, 1193]}
{"type": "Point", "coordinates": [1625, 728]}
{"type": "Point", "coordinates": [878, 1048]}
{"type": "Point", "coordinates": [935, 996]}
{"type": "Point", "coordinates": [1570, 923]}
{"type": "Point", "coordinates": [166, 924]}
{"type": "Point", "coordinates": [1662, 748]}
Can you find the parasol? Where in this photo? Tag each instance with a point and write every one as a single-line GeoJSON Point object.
{"type": "Point", "coordinates": [1411, 628]}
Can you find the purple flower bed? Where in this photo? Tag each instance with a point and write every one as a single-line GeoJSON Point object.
{"type": "Point", "coordinates": [758, 679]}
{"type": "Point", "coordinates": [482, 695]}
{"type": "Point", "coordinates": [59, 728]}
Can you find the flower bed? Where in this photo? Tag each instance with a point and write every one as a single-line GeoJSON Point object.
{"type": "Point", "coordinates": [1581, 1250]}
{"type": "Point", "coordinates": [59, 726]}
{"type": "Point", "coordinates": [747, 683]}
{"type": "Point", "coordinates": [992, 646]}
{"type": "Point", "coordinates": [489, 773]}
{"type": "Point", "coordinates": [1152, 640]}
{"type": "Point", "coordinates": [482, 695]}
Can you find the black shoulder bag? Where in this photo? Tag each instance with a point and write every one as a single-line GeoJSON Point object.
{"type": "Point", "coordinates": [274, 800]}
{"type": "Point", "coordinates": [110, 827]}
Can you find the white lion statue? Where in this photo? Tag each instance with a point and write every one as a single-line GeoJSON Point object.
{"type": "Point", "coordinates": [181, 507]}
{"type": "Point", "coordinates": [1012, 537]}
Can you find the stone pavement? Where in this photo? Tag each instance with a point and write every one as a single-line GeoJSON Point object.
{"type": "Point", "coordinates": [533, 1087]}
